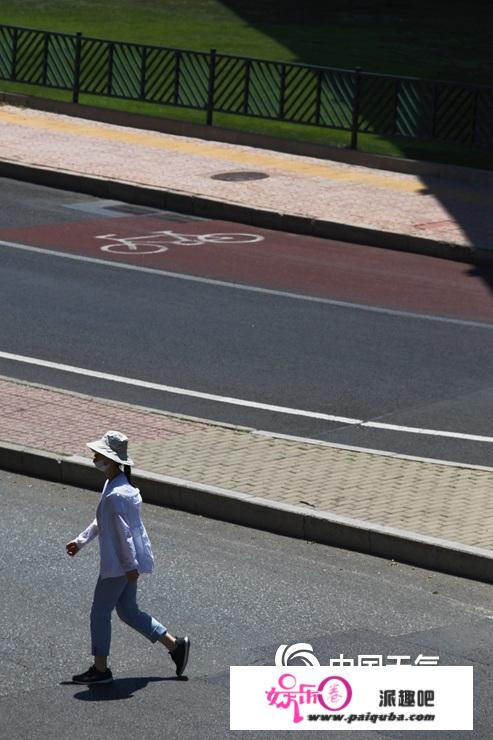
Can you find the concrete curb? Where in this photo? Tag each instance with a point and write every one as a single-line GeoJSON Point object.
{"type": "Point", "coordinates": [209, 208]}
{"type": "Point", "coordinates": [243, 509]}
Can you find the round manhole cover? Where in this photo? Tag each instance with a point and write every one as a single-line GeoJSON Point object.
{"type": "Point", "coordinates": [237, 176]}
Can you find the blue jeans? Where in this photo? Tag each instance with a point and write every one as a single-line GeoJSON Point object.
{"type": "Point", "coordinates": [119, 593]}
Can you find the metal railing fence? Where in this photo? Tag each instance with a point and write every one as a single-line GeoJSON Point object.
{"type": "Point", "coordinates": [348, 100]}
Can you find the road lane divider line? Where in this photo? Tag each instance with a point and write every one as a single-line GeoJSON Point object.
{"type": "Point", "coordinates": [173, 390]}
{"type": "Point", "coordinates": [238, 401]}
{"type": "Point", "coordinates": [248, 288]}
{"type": "Point", "coordinates": [428, 432]}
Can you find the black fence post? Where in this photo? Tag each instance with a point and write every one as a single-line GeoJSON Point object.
{"type": "Point", "coordinates": [435, 111]}
{"type": "Point", "coordinates": [111, 53]}
{"type": "Point", "coordinates": [246, 92]}
{"type": "Point", "coordinates": [474, 126]}
{"type": "Point", "coordinates": [210, 93]}
{"type": "Point", "coordinates": [45, 56]}
{"type": "Point", "coordinates": [395, 110]}
{"type": "Point", "coordinates": [143, 72]}
{"type": "Point", "coordinates": [318, 102]}
{"type": "Point", "coordinates": [13, 71]}
{"type": "Point", "coordinates": [356, 107]}
{"type": "Point", "coordinates": [176, 90]}
{"type": "Point", "coordinates": [282, 92]}
{"type": "Point", "coordinates": [78, 53]}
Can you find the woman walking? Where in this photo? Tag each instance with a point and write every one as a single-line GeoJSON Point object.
{"type": "Point", "coordinates": [125, 552]}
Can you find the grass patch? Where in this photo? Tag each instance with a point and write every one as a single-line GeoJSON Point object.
{"type": "Point", "coordinates": [441, 40]}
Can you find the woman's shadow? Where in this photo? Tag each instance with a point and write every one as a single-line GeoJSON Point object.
{"type": "Point", "coordinates": [121, 688]}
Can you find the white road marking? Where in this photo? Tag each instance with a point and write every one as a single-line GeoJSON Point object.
{"type": "Point", "coordinates": [430, 432]}
{"type": "Point", "coordinates": [174, 390]}
{"type": "Point", "coordinates": [238, 401]}
{"type": "Point", "coordinates": [250, 288]}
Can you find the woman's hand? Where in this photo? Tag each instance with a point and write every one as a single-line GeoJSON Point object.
{"type": "Point", "coordinates": [132, 575]}
{"type": "Point", "coordinates": [72, 548]}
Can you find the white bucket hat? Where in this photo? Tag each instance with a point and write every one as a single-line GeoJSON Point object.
{"type": "Point", "coordinates": [114, 446]}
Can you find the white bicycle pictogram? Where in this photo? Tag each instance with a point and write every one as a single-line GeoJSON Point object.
{"type": "Point", "coordinates": [159, 241]}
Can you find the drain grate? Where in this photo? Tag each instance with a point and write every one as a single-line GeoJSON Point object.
{"type": "Point", "coordinates": [239, 176]}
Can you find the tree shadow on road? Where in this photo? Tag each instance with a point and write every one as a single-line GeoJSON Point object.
{"type": "Point", "coordinates": [421, 39]}
{"type": "Point", "coordinates": [122, 688]}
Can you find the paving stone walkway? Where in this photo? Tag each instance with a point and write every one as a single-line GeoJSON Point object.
{"type": "Point", "coordinates": [454, 211]}
{"type": "Point", "coordinates": [450, 502]}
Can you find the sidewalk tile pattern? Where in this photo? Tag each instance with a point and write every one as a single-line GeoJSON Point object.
{"type": "Point", "coordinates": [445, 501]}
{"type": "Point", "coordinates": [443, 210]}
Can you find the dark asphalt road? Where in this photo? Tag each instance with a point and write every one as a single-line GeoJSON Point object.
{"type": "Point", "coordinates": [261, 347]}
{"type": "Point", "coordinates": [239, 593]}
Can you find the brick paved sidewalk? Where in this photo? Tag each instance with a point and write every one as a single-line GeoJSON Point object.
{"type": "Point", "coordinates": [445, 501]}
{"type": "Point", "coordinates": [455, 212]}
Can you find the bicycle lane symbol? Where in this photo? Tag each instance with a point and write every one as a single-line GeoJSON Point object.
{"type": "Point", "coordinates": [160, 241]}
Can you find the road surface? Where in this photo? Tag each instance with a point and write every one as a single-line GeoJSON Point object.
{"type": "Point", "coordinates": [238, 592]}
{"type": "Point", "coordinates": [289, 334]}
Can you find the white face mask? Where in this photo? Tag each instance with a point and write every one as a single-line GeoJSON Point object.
{"type": "Point", "coordinates": [102, 465]}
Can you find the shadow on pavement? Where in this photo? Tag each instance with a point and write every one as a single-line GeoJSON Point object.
{"type": "Point", "coordinates": [485, 272]}
{"type": "Point", "coordinates": [121, 688]}
{"type": "Point", "coordinates": [412, 33]}
{"type": "Point", "coordinates": [466, 204]}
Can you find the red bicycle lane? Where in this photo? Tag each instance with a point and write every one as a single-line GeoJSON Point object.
{"type": "Point", "coordinates": [276, 260]}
